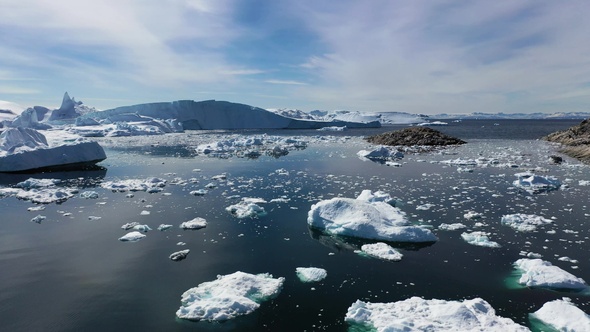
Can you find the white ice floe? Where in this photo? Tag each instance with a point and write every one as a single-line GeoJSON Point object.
{"type": "Point", "coordinates": [229, 296]}
{"type": "Point", "coordinates": [377, 196]}
{"type": "Point", "coordinates": [89, 194]}
{"type": "Point", "coordinates": [524, 222]}
{"type": "Point", "coordinates": [540, 273]}
{"type": "Point", "coordinates": [196, 223]}
{"type": "Point", "coordinates": [247, 208]}
{"type": "Point", "coordinates": [417, 314]}
{"type": "Point", "coordinates": [25, 149]}
{"type": "Point", "coordinates": [433, 123]}
{"type": "Point", "coordinates": [472, 215]}
{"type": "Point", "coordinates": [132, 237]}
{"type": "Point", "coordinates": [451, 227]}
{"type": "Point", "coordinates": [179, 255]}
{"type": "Point", "coordinates": [311, 274]}
{"type": "Point", "coordinates": [333, 128]}
{"type": "Point", "coordinates": [142, 228]}
{"type": "Point", "coordinates": [535, 184]}
{"type": "Point", "coordinates": [134, 184]}
{"type": "Point", "coordinates": [365, 219]}
{"type": "Point", "coordinates": [562, 315]}
{"type": "Point", "coordinates": [252, 146]}
{"type": "Point", "coordinates": [380, 153]}
{"type": "Point", "coordinates": [164, 227]}
{"type": "Point", "coordinates": [46, 195]}
{"type": "Point", "coordinates": [382, 251]}
{"type": "Point", "coordinates": [37, 183]}
{"type": "Point", "coordinates": [38, 219]}
{"type": "Point", "coordinates": [479, 239]}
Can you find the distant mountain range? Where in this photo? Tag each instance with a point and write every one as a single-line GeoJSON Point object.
{"type": "Point", "coordinates": [538, 115]}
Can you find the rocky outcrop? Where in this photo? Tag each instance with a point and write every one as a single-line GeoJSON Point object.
{"type": "Point", "coordinates": [575, 140]}
{"type": "Point", "coordinates": [414, 136]}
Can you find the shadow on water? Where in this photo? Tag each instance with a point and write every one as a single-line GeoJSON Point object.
{"type": "Point", "coordinates": [86, 177]}
{"type": "Point", "coordinates": [348, 243]}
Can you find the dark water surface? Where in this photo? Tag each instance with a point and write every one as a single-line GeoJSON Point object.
{"type": "Point", "coordinates": [70, 273]}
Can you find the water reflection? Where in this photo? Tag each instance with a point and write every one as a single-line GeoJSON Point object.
{"type": "Point", "coordinates": [82, 178]}
{"type": "Point", "coordinates": [340, 243]}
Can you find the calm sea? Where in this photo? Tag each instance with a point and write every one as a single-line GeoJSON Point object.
{"type": "Point", "coordinates": [70, 273]}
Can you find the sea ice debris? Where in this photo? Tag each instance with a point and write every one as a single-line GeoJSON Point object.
{"type": "Point", "coordinates": [382, 251]}
{"type": "Point", "coordinates": [311, 274]}
{"type": "Point", "coordinates": [539, 273]}
{"type": "Point", "coordinates": [132, 237]}
{"type": "Point", "coordinates": [524, 222]}
{"type": "Point", "coordinates": [196, 223]}
{"type": "Point", "coordinates": [562, 315]}
{"type": "Point", "coordinates": [479, 239]}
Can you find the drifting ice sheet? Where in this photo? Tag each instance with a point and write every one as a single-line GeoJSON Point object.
{"type": "Point", "coordinates": [229, 296]}
{"type": "Point", "coordinates": [524, 222]}
{"type": "Point", "coordinates": [535, 184]}
{"type": "Point", "coordinates": [311, 274]}
{"type": "Point", "coordinates": [382, 251]}
{"type": "Point", "coordinates": [365, 219]}
{"type": "Point", "coordinates": [479, 239]}
{"type": "Point", "coordinates": [416, 314]}
{"type": "Point", "coordinates": [540, 273]}
{"type": "Point", "coordinates": [562, 315]}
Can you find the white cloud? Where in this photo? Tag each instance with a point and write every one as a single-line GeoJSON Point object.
{"type": "Point", "coordinates": [286, 82]}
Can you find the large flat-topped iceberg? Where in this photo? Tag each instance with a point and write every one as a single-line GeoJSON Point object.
{"type": "Point", "coordinates": [562, 315]}
{"type": "Point", "coordinates": [539, 273]}
{"type": "Point", "coordinates": [212, 114]}
{"type": "Point", "coordinates": [25, 149]}
{"type": "Point", "coordinates": [365, 219]}
{"type": "Point", "coordinates": [417, 314]}
{"type": "Point", "coordinates": [229, 296]}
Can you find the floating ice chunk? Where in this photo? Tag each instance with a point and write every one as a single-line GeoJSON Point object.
{"type": "Point", "coordinates": [179, 255]}
{"type": "Point", "coordinates": [380, 153]}
{"type": "Point", "coordinates": [382, 251]}
{"type": "Point", "coordinates": [333, 128]}
{"type": "Point", "coordinates": [370, 220]}
{"type": "Point", "coordinates": [433, 123]}
{"type": "Point", "coordinates": [46, 195]}
{"type": "Point", "coordinates": [472, 215]}
{"type": "Point", "coordinates": [164, 227]}
{"type": "Point", "coordinates": [37, 183]}
{"type": "Point", "coordinates": [584, 183]}
{"type": "Point", "coordinates": [247, 208]}
{"type": "Point", "coordinates": [562, 315]}
{"type": "Point", "coordinates": [424, 207]}
{"type": "Point", "coordinates": [38, 219]}
{"type": "Point", "coordinates": [540, 273]}
{"type": "Point", "coordinates": [196, 223]}
{"type": "Point", "coordinates": [89, 194]}
{"type": "Point", "coordinates": [134, 184]}
{"type": "Point", "coordinates": [229, 296]}
{"type": "Point", "coordinates": [451, 227]}
{"type": "Point", "coordinates": [378, 196]}
{"type": "Point", "coordinates": [479, 239]}
{"type": "Point", "coordinates": [417, 314]}
{"type": "Point", "coordinates": [132, 237]}
{"type": "Point", "coordinates": [198, 192]}
{"type": "Point", "coordinates": [311, 274]}
{"type": "Point", "coordinates": [535, 184]}
{"type": "Point", "coordinates": [142, 228]}
{"type": "Point", "coordinates": [567, 259]}
{"type": "Point", "coordinates": [524, 222]}
{"type": "Point", "coordinates": [129, 225]}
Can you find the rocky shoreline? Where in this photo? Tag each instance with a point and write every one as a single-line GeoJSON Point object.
{"type": "Point", "coordinates": [412, 136]}
{"type": "Point", "coordinates": [575, 141]}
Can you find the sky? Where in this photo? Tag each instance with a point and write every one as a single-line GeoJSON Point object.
{"type": "Point", "coordinates": [427, 57]}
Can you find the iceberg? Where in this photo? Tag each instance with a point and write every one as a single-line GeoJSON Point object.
{"type": "Point", "coordinates": [196, 223]}
{"type": "Point", "coordinates": [417, 314]}
{"type": "Point", "coordinates": [562, 315]}
{"type": "Point", "coordinates": [229, 296]}
{"type": "Point", "coordinates": [26, 149]}
{"type": "Point", "coordinates": [380, 153]}
{"type": "Point", "coordinates": [213, 114]}
{"type": "Point", "coordinates": [539, 273]}
{"type": "Point", "coordinates": [179, 255]}
{"type": "Point", "coordinates": [132, 237]}
{"type": "Point", "coordinates": [524, 222]}
{"type": "Point", "coordinates": [311, 274]}
{"type": "Point", "coordinates": [375, 220]}
{"type": "Point", "coordinates": [382, 251]}
{"type": "Point", "coordinates": [247, 208]}
{"type": "Point", "coordinates": [534, 184]}
{"type": "Point", "coordinates": [479, 239]}
{"type": "Point", "coordinates": [134, 184]}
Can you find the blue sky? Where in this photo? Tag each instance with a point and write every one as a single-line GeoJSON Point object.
{"type": "Point", "coordinates": [380, 55]}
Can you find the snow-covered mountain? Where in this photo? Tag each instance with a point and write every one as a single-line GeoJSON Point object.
{"type": "Point", "coordinates": [525, 116]}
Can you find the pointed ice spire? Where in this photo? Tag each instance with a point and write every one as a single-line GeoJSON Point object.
{"type": "Point", "coordinates": [67, 102]}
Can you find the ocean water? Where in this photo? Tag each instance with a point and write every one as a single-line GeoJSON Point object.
{"type": "Point", "coordinates": [70, 273]}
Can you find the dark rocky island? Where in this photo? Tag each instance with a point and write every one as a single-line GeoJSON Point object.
{"type": "Point", "coordinates": [575, 141]}
{"type": "Point", "coordinates": [412, 136]}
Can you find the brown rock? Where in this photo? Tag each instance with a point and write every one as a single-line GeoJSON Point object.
{"type": "Point", "coordinates": [414, 136]}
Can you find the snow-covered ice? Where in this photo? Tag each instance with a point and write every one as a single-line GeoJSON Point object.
{"type": "Point", "coordinates": [134, 184]}
{"type": "Point", "coordinates": [479, 239]}
{"type": "Point", "coordinates": [24, 149]}
{"type": "Point", "coordinates": [311, 274]}
{"type": "Point", "coordinates": [196, 223]}
{"type": "Point", "coordinates": [229, 296]}
{"type": "Point", "coordinates": [535, 184]}
{"type": "Point", "coordinates": [451, 227]}
{"type": "Point", "coordinates": [382, 251]}
{"type": "Point", "coordinates": [132, 237]}
{"type": "Point", "coordinates": [179, 255]}
{"type": "Point", "coordinates": [247, 208]}
{"type": "Point", "coordinates": [381, 153]}
{"type": "Point", "coordinates": [524, 222]}
{"type": "Point", "coordinates": [365, 219]}
{"type": "Point", "coordinates": [539, 273]}
{"type": "Point", "coordinates": [562, 315]}
{"type": "Point", "coordinates": [417, 314]}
